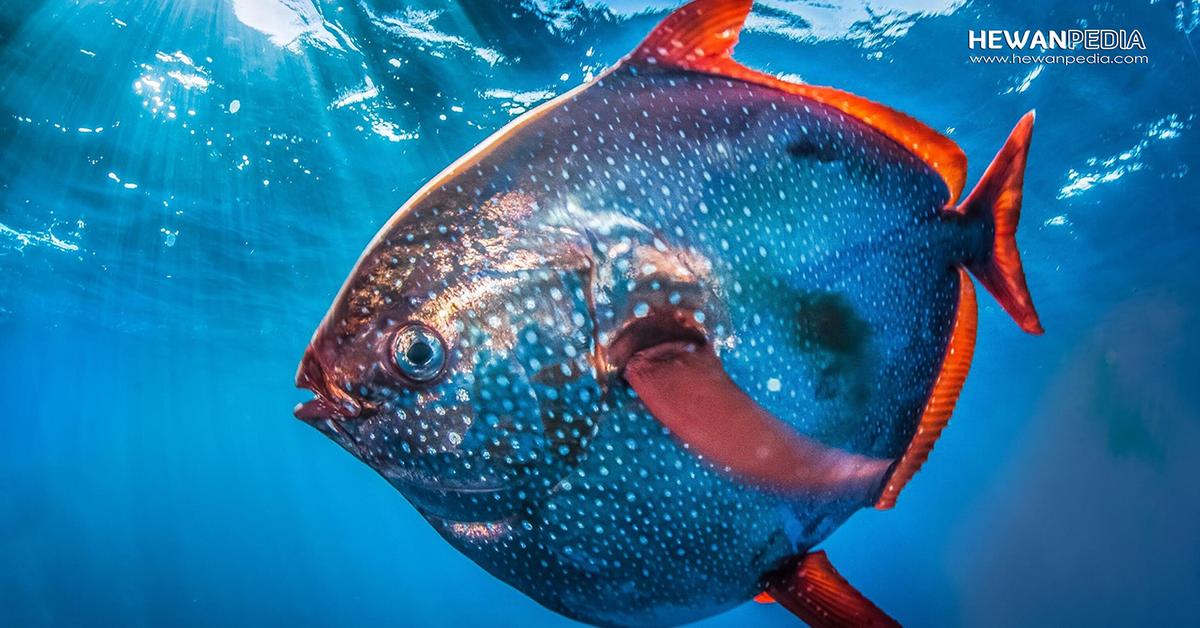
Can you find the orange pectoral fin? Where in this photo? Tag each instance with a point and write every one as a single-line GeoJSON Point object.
{"type": "Point", "coordinates": [945, 393]}
{"type": "Point", "coordinates": [816, 593]}
{"type": "Point", "coordinates": [686, 388]}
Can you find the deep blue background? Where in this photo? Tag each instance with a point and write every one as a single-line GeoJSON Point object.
{"type": "Point", "coordinates": [151, 473]}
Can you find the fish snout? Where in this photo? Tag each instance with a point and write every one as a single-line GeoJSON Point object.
{"type": "Point", "coordinates": [331, 402]}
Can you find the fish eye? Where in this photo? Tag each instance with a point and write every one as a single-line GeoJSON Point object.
{"type": "Point", "coordinates": [419, 352]}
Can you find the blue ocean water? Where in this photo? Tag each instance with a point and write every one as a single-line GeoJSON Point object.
{"type": "Point", "coordinates": [184, 185]}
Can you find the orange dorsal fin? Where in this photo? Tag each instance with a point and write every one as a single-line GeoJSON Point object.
{"type": "Point", "coordinates": [700, 37]}
{"type": "Point", "coordinates": [946, 388]}
{"type": "Point", "coordinates": [694, 36]}
{"type": "Point", "coordinates": [815, 592]}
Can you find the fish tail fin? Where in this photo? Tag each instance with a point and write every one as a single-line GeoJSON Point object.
{"type": "Point", "coordinates": [997, 199]}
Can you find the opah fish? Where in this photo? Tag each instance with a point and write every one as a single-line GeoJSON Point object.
{"type": "Point", "coordinates": [642, 350]}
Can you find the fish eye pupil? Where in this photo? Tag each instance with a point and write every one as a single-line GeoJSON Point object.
{"type": "Point", "coordinates": [419, 353]}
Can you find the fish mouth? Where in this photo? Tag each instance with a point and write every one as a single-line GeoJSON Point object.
{"type": "Point", "coordinates": [330, 401]}
{"type": "Point", "coordinates": [316, 409]}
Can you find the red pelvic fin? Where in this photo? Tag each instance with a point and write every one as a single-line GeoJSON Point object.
{"type": "Point", "coordinates": [700, 37]}
{"type": "Point", "coordinates": [946, 388]}
{"type": "Point", "coordinates": [815, 592]}
{"type": "Point", "coordinates": [997, 197]}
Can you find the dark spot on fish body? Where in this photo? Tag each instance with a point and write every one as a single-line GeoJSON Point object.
{"type": "Point", "coordinates": [807, 148]}
{"type": "Point", "coordinates": [825, 388]}
{"type": "Point", "coordinates": [826, 320]}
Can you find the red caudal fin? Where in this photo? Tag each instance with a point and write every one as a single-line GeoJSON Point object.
{"type": "Point", "coordinates": [700, 36]}
{"type": "Point", "coordinates": [997, 197]}
{"type": "Point", "coordinates": [816, 593]}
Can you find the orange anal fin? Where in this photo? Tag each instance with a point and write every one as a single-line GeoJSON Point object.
{"type": "Point", "coordinates": [700, 37]}
{"type": "Point", "coordinates": [815, 592]}
{"type": "Point", "coordinates": [945, 393]}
